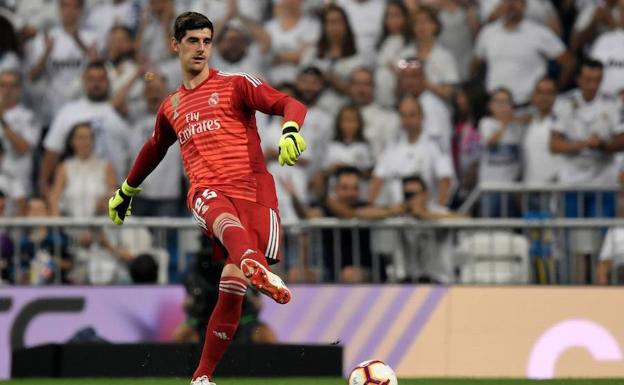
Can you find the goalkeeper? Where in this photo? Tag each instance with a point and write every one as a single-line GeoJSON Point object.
{"type": "Point", "coordinates": [232, 195]}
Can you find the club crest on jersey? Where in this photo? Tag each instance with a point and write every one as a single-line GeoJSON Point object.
{"type": "Point", "coordinates": [214, 99]}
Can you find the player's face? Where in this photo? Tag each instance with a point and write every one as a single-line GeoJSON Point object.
{"type": "Point", "coordinates": [194, 50]}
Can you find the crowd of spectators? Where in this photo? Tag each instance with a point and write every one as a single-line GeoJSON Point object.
{"type": "Point", "coordinates": [402, 95]}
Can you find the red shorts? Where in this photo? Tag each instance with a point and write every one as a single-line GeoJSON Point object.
{"type": "Point", "coordinates": [262, 223]}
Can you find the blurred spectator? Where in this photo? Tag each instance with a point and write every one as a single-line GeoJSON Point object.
{"type": "Point", "coordinates": [412, 80]}
{"type": "Point", "coordinates": [413, 154]}
{"type": "Point", "coordinates": [9, 47]}
{"type": "Point", "coordinates": [516, 51]}
{"type": "Point", "coordinates": [144, 269]}
{"type": "Point", "coordinates": [501, 136]}
{"type": "Point", "coordinates": [13, 193]}
{"type": "Point", "coordinates": [162, 190]}
{"type": "Point", "coordinates": [335, 53]}
{"type": "Point", "coordinates": [355, 258]}
{"type": "Point", "coordinates": [124, 73]}
{"type": "Point", "coordinates": [44, 253]}
{"type": "Point", "coordinates": [111, 134]}
{"type": "Point", "coordinates": [540, 165]}
{"type": "Point", "coordinates": [469, 104]}
{"type": "Point", "coordinates": [423, 256]}
{"type": "Point", "coordinates": [592, 20]}
{"type": "Point", "coordinates": [56, 58]}
{"type": "Point", "coordinates": [292, 33]}
{"type": "Point", "coordinates": [395, 36]}
{"type": "Point", "coordinates": [156, 29]}
{"type": "Point", "coordinates": [310, 90]}
{"type": "Point", "coordinates": [83, 182]}
{"type": "Point", "coordinates": [217, 11]}
{"type": "Point", "coordinates": [588, 135]}
{"type": "Point", "coordinates": [241, 44]}
{"type": "Point", "coordinates": [607, 49]}
{"type": "Point", "coordinates": [610, 269]}
{"type": "Point", "coordinates": [34, 16]}
{"type": "Point", "coordinates": [6, 248]}
{"type": "Point", "coordinates": [439, 64]}
{"type": "Point", "coordinates": [366, 18]}
{"type": "Point", "coordinates": [19, 130]}
{"type": "Point", "coordinates": [460, 24]}
{"type": "Point", "coordinates": [381, 125]}
{"type": "Point", "coordinates": [539, 11]}
{"type": "Point", "coordinates": [348, 148]}
{"type": "Point", "coordinates": [104, 16]}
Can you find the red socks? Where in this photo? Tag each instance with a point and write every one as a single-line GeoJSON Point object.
{"type": "Point", "coordinates": [236, 240]}
{"type": "Point", "coordinates": [222, 324]}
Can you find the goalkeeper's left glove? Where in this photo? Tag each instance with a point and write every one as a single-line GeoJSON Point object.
{"type": "Point", "coordinates": [291, 144]}
{"type": "Point", "coordinates": [119, 203]}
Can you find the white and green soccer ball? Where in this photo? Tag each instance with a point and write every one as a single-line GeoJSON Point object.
{"type": "Point", "coordinates": [373, 372]}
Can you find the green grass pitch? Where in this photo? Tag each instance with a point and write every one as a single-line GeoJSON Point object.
{"type": "Point", "coordinates": [300, 381]}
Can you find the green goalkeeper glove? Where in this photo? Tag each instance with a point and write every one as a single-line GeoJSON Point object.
{"type": "Point", "coordinates": [119, 203]}
{"type": "Point", "coordinates": [291, 144]}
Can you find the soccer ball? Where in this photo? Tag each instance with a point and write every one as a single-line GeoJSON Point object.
{"type": "Point", "coordinates": [373, 372]}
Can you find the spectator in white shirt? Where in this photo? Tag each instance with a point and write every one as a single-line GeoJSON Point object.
{"type": "Point", "coordinates": [381, 125]}
{"type": "Point", "coordinates": [348, 148]}
{"type": "Point", "coordinates": [155, 29]}
{"type": "Point", "coordinates": [500, 161]}
{"type": "Point", "coordinates": [413, 154]}
{"type": "Point", "coordinates": [592, 20]}
{"type": "Point", "coordinates": [83, 182]}
{"type": "Point", "coordinates": [516, 52]}
{"type": "Point", "coordinates": [241, 45]}
{"type": "Point", "coordinates": [540, 165]}
{"type": "Point", "coordinates": [608, 50]}
{"type": "Point", "coordinates": [19, 130]}
{"type": "Point", "coordinates": [292, 33]}
{"type": "Point", "coordinates": [590, 133]}
{"type": "Point", "coordinates": [102, 17]}
{"type": "Point", "coordinates": [460, 25]}
{"type": "Point", "coordinates": [365, 16]}
{"type": "Point", "coordinates": [124, 73]}
{"type": "Point", "coordinates": [335, 53]}
{"type": "Point", "coordinates": [439, 63]}
{"type": "Point", "coordinates": [12, 192]}
{"type": "Point", "coordinates": [395, 37]}
{"type": "Point", "coordinates": [539, 11]}
{"type": "Point", "coordinates": [110, 130]}
{"type": "Point", "coordinates": [610, 267]}
{"type": "Point", "coordinates": [162, 189]}
{"type": "Point", "coordinates": [56, 57]}
{"type": "Point", "coordinates": [412, 80]}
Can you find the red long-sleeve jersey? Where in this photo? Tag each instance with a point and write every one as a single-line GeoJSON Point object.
{"type": "Point", "coordinates": [216, 128]}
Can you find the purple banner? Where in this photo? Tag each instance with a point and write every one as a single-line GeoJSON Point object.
{"type": "Point", "coordinates": [118, 314]}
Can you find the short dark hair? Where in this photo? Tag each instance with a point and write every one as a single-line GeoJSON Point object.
{"type": "Point", "coordinates": [144, 269]}
{"type": "Point", "coordinates": [311, 70]}
{"type": "Point", "coordinates": [188, 21]}
{"type": "Point", "coordinates": [95, 64]}
{"type": "Point", "coordinates": [417, 179]}
{"type": "Point", "coordinates": [590, 63]}
{"type": "Point", "coordinates": [346, 170]}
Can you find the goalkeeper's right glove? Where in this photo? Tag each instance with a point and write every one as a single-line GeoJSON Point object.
{"type": "Point", "coordinates": [119, 203]}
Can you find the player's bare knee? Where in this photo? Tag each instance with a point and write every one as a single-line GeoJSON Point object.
{"type": "Point", "coordinates": [231, 270]}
